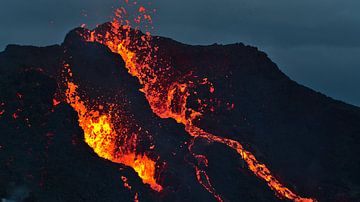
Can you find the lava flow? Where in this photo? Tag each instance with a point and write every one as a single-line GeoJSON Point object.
{"type": "Point", "coordinates": [167, 94]}
{"type": "Point", "coordinates": [102, 136]}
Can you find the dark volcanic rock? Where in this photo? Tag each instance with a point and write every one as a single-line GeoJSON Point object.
{"type": "Point", "coordinates": [308, 140]}
{"type": "Point", "coordinates": [43, 155]}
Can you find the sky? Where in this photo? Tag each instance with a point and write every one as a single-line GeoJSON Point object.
{"type": "Point", "coordinates": [316, 43]}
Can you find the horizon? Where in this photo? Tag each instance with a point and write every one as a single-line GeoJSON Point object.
{"type": "Point", "coordinates": [326, 42]}
{"type": "Point", "coordinates": [185, 100]}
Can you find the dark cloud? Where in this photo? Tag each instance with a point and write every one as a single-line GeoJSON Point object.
{"type": "Point", "coordinates": [316, 43]}
{"type": "Point", "coordinates": [280, 22]}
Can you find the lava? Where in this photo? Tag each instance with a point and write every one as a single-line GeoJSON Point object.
{"type": "Point", "coordinates": [167, 96]}
{"type": "Point", "coordinates": [202, 176]}
{"type": "Point", "coordinates": [2, 111]}
{"type": "Point", "coordinates": [101, 135]}
{"type": "Point", "coordinates": [55, 102]}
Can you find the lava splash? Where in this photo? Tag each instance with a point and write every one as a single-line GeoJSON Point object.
{"type": "Point", "coordinates": [100, 134]}
{"type": "Point", "coordinates": [167, 92]}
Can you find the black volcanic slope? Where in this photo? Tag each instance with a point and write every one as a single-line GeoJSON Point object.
{"type": "Point", "coordinates": [310, 142]}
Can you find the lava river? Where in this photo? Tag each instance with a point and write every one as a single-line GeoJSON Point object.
{"type": "Point", "coordinates": [167, 93]}
{"type": "Point", "coordinates": [102, 136]}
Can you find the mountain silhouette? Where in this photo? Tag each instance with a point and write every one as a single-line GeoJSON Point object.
{"type": "Point", "coordinates": [309, 141]}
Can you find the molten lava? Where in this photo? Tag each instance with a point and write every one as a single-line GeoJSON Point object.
{"type": "Point", "coordinates": [167, 96]}
{"type": "Point", "coordinates": [101, 136]}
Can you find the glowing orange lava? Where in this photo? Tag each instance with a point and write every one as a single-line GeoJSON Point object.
{"type": "Point", "coordinates": [167, 99]}
{"type": "Point", "coordinates": [101, 136]}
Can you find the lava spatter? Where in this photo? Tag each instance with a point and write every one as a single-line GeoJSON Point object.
{"type": "Point", "coordinates": [167, 93]}
{"type": "Point", "coordinates": [102, 136]}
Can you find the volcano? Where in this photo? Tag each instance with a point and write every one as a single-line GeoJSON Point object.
{"type": "Point", "coordinates": [113, 114]}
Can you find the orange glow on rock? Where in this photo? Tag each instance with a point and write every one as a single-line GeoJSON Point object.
{"type": "Point", "coordinates": [126, 183]}
{"type": "Point", "coordinates": [174, 106]}
{"type": "Point", "coordinates": [136, 197]}
{"type": "Point", "coordinates": [55, 102]}
{"type": "Point", "coordinates": [168, 99]}
{"type": "Point", "coordinates": [100, 135]}
{"type": "Point", "coordinates": [15, 115]}
{"type": "Point", "coordinates": [142, 9]}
